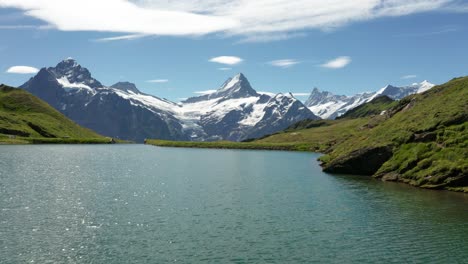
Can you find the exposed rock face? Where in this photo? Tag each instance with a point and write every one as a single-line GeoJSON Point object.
{"type": "Point", "coordinates": [329, 106]}
{"type": "Point", "coordinates": [233, 112]}
{"type": "Point", "coordinates": [366, 161]}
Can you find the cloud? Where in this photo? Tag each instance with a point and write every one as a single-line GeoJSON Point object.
{"type": "Point", "coordinates": [22, 70]}
{"type": "Point", "coordinates": [438, 31]}
{"type": "Point", "coordinates": [259, 20]}
{"type": "Point", "coordinates": [224, 69]}
{"type": "Point", "coordinates": [158, 81]}
{"type": "Point", "coordinates": [106, 16]}
{"type": "Point", "coordinates": [411, 76]}
{"type": "Point", "coordinates": [124, 37]}
{"type": "Point", "coordinates": [19, 27]}
{"type": "Point", "coordinates": [337, 63]}
{"type": "Point", "coordinates": [285, 63]}
{"type": "Point", "coordinates": [205, 92]}
{"type": "Point", "coordinates": [228, 60]}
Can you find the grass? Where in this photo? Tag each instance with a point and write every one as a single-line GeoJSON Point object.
{"type": "Point", "coordinates": [374, 107]}
{"type": "Point", "coordinates": [427, 133]}
{"type": "Point", "coordinates": [26, 119]}
{"type": "Point", "coordinates": [229, 145]}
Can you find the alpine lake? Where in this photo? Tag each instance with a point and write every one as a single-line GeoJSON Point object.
{"type": "Point", "coordinates": [146, 204]}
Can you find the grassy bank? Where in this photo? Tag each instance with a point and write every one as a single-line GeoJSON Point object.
{"type": "Point", "coordinates": [230, 145]}
{"type": "Point", "coordinates": [421, 140]}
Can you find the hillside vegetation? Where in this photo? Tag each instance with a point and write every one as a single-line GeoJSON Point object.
{"type": "Point", "coordinates": [421, 140]}
{"type": "Point", "coordinates": [25, 118]}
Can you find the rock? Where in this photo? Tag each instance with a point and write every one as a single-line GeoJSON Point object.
{"type": "Point", "coordinates": [365, 161]}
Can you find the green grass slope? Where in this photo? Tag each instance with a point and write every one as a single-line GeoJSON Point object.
{"type": "Point", "coordinates": [421, 140]}
{"type": "Point", "coordinates": [25, 118]}
{"type": "Point", "coordinates": [425, 139]}
{"type": "Point", "coordinates": [374, 107]}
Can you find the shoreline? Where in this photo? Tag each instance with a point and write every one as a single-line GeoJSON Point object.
{"type": "Point", "coordinates": [303, 147]}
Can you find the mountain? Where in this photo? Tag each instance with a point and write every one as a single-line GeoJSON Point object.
{"type": "Point", "coordinates": [421, 139]}
{"type": "Point", "coordinates": [233, 112]}
{"type": "Point", "coordinates": [237, 112]}
{"type": "Point", "coordinates": [24, 115]}
{"type": "Point", "coordinates": [120, 111]}
{"type": "Point", "coordinates": [377, 106]}
{"type": "Point", "coordinates": [330, 106]}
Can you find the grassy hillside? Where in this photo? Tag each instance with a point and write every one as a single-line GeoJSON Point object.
{"type": "Point", "coordinates": [25, 118]}
{"type": "Point", "coordinates": [421, 140]}
{"type": "Point", "coordinates": [374, 107]}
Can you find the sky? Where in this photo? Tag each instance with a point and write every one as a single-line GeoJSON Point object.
{"type": "Point", "coordinates": [178, 49]}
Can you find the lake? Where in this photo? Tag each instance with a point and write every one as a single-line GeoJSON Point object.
{"type": "Point", "coordinates": [145, 204]}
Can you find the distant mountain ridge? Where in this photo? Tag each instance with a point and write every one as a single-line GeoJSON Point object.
{"type": "Point", "coordinates": [233, 112]}
{"type": "Point", "coordinates": [329, 106]}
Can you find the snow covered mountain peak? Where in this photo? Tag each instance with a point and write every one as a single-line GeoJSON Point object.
{"type": "Point", "coordinates": [233, 88]}
{"type": "Point", "coordinates": [72, 75]}
{"type": "Point", "coordinates": [126, 87]}
{"type": "Point", "coordinates": [329, 106]}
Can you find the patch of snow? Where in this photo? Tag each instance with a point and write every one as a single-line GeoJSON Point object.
{"type": "Point", "coordinates": [65, 83]}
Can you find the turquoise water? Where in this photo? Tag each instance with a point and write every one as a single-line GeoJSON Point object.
{"type": "Point", "coordinates": [144, 204]}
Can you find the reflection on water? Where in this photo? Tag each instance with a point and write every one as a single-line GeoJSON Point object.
{"type": "Point", "coordinates": [143, 204]}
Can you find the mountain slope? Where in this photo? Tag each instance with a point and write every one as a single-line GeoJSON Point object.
{"type": "Point", "coordinates": [330, 106]}
{"type": "Point", "coordinates": [377, 106]}
{"type": "Point", "coordinates": [423, 140]}
{"type": "Point", "coordinates": [234, 112]}
{"type": "Point", "coordinates": [237, 112]}
{"type": "Point", "coordinates": [24, 115]}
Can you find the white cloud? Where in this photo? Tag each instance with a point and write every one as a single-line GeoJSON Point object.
{"type": "Point", "coordinates": [228, 60]}
{"type": "Point", "coordinates": [337, 63]}
{"type": "Point", "coordinates": [224, 69]}
{"type": "Point", "coordinates": [286, 63]}
{"type": "Point", "coordinates": [259, 20]}
{"type": "Point", "coordinates": [411, 76]}
{"type": "Point", "coordinates": [205, 92]}
{"type": "Point", "coordinates": [124, 37]}
{"type": "Point", "coordinates": [22, 70]}
{"type": "Point", "coordinates": [158, 81]}
{"type": "Point", "coordinates": [18, 27]}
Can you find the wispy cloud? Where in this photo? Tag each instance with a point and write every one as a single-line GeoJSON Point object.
{"type": "Point", "coordinates": [205, 92]}
{"type": "Point", "coordinates": [16, 27]}
{"type": "Point", "coordinates": [410, 76]}
{"type": "Point", "coordinates": [279, 19]}
{"type": "Point", "coordinates": [228, 60]}
{"type": "Point", "coordinates": [337, 63]}
{"type": "Point", "coordinates": [262, 38]}
{"type": "Point", "coordinates": [285, 63]}
{"type": "Point", "coordinates": [22, 70]}
{"type": "Point", "coordinates": [123, 37]}
{"type": "Point", "coordinates": [438, 31]}
{"type": "Point", "coordinates": [158, 81]}
{"type": "Point", "coordinates": [224, 69]}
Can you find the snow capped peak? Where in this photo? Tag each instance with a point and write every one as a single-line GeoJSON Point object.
{"type": "Point", "coordinates": [74, 73]}
{"type": "Point", "coordinates": [328, 105]}
{"type": "Point", "coordinates": [126, 87]}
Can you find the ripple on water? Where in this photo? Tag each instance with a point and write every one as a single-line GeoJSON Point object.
{"type": "Point", "coordinates": [111, 204]}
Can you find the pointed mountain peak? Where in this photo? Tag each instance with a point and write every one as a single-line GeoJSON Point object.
{"type": "Point", "coordinates": [73, 74]}
{"type": "Point", "coordinates": [236, 87]}
{"type": "Point", "coordinates": [126, 87]}
{"type": "Point", "coordinates": [67, 63]}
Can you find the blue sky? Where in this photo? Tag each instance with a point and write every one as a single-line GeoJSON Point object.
{"type": "Point", "coordinates": [377, 43]}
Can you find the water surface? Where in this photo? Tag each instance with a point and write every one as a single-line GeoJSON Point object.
{"type": "Point", "coordinates": [144, 204]}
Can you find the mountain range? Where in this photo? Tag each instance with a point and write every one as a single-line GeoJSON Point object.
{"type": "Point", "coordinates": [330, 106]}
{"type": "Point", "coordinates": [233, 112]}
